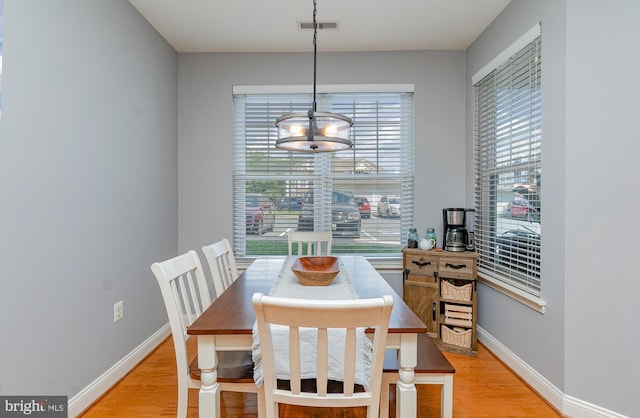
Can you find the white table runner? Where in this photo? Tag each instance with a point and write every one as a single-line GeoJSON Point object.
{"type": "Point", "coordinates": [287, 285]}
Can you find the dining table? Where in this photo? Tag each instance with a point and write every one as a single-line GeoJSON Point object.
{"type": "Point", "coordinates": [227, 325]}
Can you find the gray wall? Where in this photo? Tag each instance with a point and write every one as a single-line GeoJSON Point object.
{"type": "Point", "coordinates": [589, 98]}
{"type": "Point", "coordinates": [88, 181]}
{"type": "Point", "coordinates": [602, 148]}
{"type": "Point", "coordinates": [206, 107]}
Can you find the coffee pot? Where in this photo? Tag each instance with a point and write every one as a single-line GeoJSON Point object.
{"type": "Point", "coordinates": [456, 239]}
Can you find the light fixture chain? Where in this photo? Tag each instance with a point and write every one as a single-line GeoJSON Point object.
{"type": "Point", "coordinates": [315, 51]}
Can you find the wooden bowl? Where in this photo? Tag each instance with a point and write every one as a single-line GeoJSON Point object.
{"type": "Point", "coordinates": [316, 270]}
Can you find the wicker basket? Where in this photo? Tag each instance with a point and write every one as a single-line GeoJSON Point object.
{"type": "Point", "coordinates": [456, 337]}
{"type": "Point", "coordinates": [462, 293]}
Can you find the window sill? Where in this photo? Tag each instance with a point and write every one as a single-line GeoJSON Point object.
{"type": "Point", "coordinates": [526, 299]}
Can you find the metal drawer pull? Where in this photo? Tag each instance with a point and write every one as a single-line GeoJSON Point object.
{"type": "Point", "coordinates": [421, 263]}
{"type": "Point", "coordinates": [456, 266]}
{"type": "Point", "coordinates": [433, 312]}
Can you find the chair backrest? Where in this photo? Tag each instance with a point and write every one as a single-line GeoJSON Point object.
{"type": "Point", "coordinates": [325, 316]}
{"type": "Point", "coordinates": [313, 240]}
{"type": "Point", "coordinates": [222, 264]}
{"type": "Point", "coordinates": [186, 295]}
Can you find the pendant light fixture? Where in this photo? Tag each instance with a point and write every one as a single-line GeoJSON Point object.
{"type": "Point", "coordinates": [314, 131]}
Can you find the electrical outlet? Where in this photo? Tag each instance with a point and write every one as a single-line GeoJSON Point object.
{"type": "Point", "coordinates": [118, 311]}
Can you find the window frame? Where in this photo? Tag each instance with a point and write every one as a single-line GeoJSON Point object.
{"type": "Point", "coordinates": [320, 173]}
{"type": "Point", "coordinates": [504, 278]}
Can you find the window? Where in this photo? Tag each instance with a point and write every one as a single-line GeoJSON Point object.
{"type": "Point", "coordinates": [507, 156]}
{"type": "Point", "coordinates": [336, 192]}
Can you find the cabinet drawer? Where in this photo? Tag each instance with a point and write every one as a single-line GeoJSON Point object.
{"type": "Point", "coordinates": [421, 264]}
{"type": "Point", "coordinates": [461, 268]}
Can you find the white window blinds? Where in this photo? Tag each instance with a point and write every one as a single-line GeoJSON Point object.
{"type": "Point", "coordinates": [336, 192]}
{"type": "Point", "coordinates": [508, 139]}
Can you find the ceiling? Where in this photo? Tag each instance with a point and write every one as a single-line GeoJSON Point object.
{"type": "Point", "coordinates": [363, 25]}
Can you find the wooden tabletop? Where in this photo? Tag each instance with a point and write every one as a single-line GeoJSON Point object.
{"type": "Point", "coordinates": [232, 312]}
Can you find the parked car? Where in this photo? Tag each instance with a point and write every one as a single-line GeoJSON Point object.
{"type": "Point", "coordinates": [389, 206]}
{"type": "Point", "coordinates": [530, 192]}
{"type": "Point", "coordinates": [261, 213]}
{"type": "Point", "coordinates": [519, 249]}
{"type": "Point", "coordinates": [363, 206]}
{"type": "Point", "coordinates": [345, 216]}
{"type": "Point", "coordinates": [288, 203]}
{"type": "Point", "coordinates": [519, 207]}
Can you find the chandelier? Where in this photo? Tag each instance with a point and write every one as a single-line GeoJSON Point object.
{"type": "Point", "coordinates": [314, 131]}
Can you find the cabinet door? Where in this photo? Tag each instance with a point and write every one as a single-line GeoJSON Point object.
{"type": "Point", "coordinates": [420, 293]}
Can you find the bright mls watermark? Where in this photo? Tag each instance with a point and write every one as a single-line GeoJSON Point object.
{"type": "Point", "coordinates": [33, 406]}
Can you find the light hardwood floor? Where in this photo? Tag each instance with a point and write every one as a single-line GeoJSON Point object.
{"type": "Point", "coordinates": [483, 387]}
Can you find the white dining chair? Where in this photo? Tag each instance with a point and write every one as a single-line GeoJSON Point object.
{"type": "Point", "coordinates": [186, 295]}
{"type": "Point", "coordinates": [326, 317]}
{"type": "Point", "coordinates": [222, 264]}
{"type": "Point", "coordinates": [317, 243]}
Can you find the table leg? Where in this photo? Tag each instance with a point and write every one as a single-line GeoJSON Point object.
{"type": "Point", "coordinates": [446, 401]}
{"type": "Point", "coordinates": [406, 394]}
{"type": "Point", "coordinates": [209, 397]}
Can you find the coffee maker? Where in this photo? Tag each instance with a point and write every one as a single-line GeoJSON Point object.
{"type": "Point", "coordinates": [455, 235]}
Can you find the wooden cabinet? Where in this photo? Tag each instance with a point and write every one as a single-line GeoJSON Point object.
{"type": "Point", "coordinates": [440, 287]}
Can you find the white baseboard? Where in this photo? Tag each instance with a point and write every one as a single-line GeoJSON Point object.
{"type": "Point", "coordinates": [580, 409]}
{"type": "Point", "coordinates": [567, 405]}
{"type": "Point", "coordinates": [83, 399]}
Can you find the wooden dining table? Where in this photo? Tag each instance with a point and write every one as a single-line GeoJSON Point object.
{"type": "Point", "coordinates": [228, 323]}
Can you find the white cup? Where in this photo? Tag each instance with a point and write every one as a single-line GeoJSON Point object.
{"type": "Point", "coordinates": [427, 244]}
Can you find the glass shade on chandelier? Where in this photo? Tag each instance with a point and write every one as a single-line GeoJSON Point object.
{"type": "Point", "coordinates": [313, 132]}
